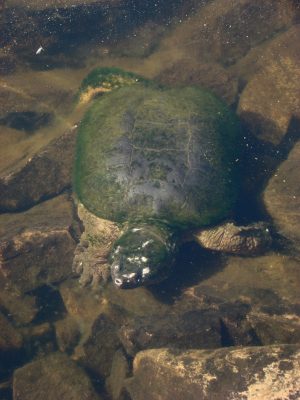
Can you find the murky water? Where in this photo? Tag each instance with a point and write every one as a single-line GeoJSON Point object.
{"type": "Point", "coordinates": [246, 53]}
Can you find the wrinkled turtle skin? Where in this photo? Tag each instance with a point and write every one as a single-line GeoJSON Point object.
{"type": "Point", "coordinates": [157, 162]}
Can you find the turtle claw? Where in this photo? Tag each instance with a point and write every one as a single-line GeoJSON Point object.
{"type": "Point", "coordinates": [91, 267]}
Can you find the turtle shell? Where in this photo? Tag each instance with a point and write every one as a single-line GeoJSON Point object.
{"type": "Point", "coordinates": [146, 153]}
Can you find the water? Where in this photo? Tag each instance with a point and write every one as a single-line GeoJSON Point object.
{"type": "Point", "coordinates": [247, 53]}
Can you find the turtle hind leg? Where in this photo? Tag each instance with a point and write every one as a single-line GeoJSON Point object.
{"type": "Point", "coordinates": [250, 240]}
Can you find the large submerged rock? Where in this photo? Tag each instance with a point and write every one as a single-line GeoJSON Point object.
{"type": "Point", "coordinates": [52, 377]}
{"type": "Point", "coordinates": [270, 372]}
{"type": "Point", "coordinates": [282, 197]}
{"type": "Point", "coordinates": [43, 175]}
{"type": "Point", "coordinates": [200, 48]}
{"type": "Point", "coordinates": [10, 338]}
{"type": "Point", "coordinates": [21, 308]}
{"type": "Point", "coordinates": [271, 100]}
{"type": "Point", "coordinates": [37, 246]}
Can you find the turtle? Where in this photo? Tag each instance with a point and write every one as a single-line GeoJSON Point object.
{"type": "Point", "coordinates": [154, 165]}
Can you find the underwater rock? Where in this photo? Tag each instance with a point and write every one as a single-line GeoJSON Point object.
{"type": "Point", "coordinates": [98, 320]}
{"type": "Point", "coordinates": [45, 174]}
{"type": "Point", "coordinates": [119, 371]}
{"type": "Point", "coordinates": [248, 279]}
{"type": "Point", "coordinates": [10, 338]}
{"type": "Point", "coordinates": [282, 197]}
{"type": "Point", "coordinates": [28, 121]}
{"type": "Point", "coordinates": [100, 347]}
{"type": "Point", "coordinates": [83, 306]}
{"type": "Point", "coordinates": [199, 50]}
{"type": "Point", "coordinates": [270, 103]}
{"type": "Point", "coordinates": [39, 339]}
{"type": "Point", "coordinates": [255, 60]}
{"type": "Point", "coordinates": [7, 60]}
{"type": "Point", "coordinates": [255, 297]}
{"type": "Point", "coordinates": [21, 308]}
{"type": "Point", "coordinates": [20, 100]}
{"type": "Point", "coordinates": [209, 75]}
{"type": "Point", "coordinates": [67, 334]}
{"type": "Point", "coordinates": [248, 240]}
{"type": "Point", "coordinates": [37, 246]}
{"type": "Point", "coordinates": [142, 42]}
{"type": "Point", "coordinates": [29, 25]}
{"type": "Point", "coordinates": [140, 302]}
{"type": "Point", "coordinates": [269, 372]}
{"type": "Point", "coordinates": [52, 377]}
{"type": "Point", "coordinates": [92, 313]}
{"type": "Point", "coordinates": [53, 25]}
{"type": "Point", "coordinates": [192, 329]}
{"type": "Point", "coordinates": [276, 329]}
{"type": "Point", "coordinates": [191, 325]}
{"type": "Point", "coordinates": [224, 32]}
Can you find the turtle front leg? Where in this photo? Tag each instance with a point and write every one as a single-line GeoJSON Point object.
{"type": "Point", "coordinates": [250, 240]}
{"type": "Point", "coordinates": [91, 253]}
{"type": "Point", "coordinates": [90, 264]}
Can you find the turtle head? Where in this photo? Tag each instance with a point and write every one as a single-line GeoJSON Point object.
{"type": "Point", "coordinates": [143, 255]}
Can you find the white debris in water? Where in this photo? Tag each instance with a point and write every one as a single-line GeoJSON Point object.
{"type": "Point", "coordinates": [144, 259]}
{"type": "Point", "coordinates": [117, 250]}
{"type": "Point", "coordinates": [39, 50]}
{"type": "Point", "coordinates": [146, 243]}
{"type": "Point", "coordinates": [136, 229]}
{"type": "Point", "coordinates": [145, 271]}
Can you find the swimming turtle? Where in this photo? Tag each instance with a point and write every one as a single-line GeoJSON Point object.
{"type": "Point", "coordinates": [152, 163]}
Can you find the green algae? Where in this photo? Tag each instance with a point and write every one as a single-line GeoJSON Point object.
{"type": "Point", "coordinates": [104, 79]}
{"type": "Point", "coordinates": [166, 127]}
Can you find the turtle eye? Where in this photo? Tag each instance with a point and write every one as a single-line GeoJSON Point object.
{"type": "Point", "coordinates": [118, 282]}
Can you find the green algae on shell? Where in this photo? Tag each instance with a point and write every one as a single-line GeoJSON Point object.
{"type": "Point", "coordinates": [158, 154]}
{"type": "Point", "coordinates": [104, 79]}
